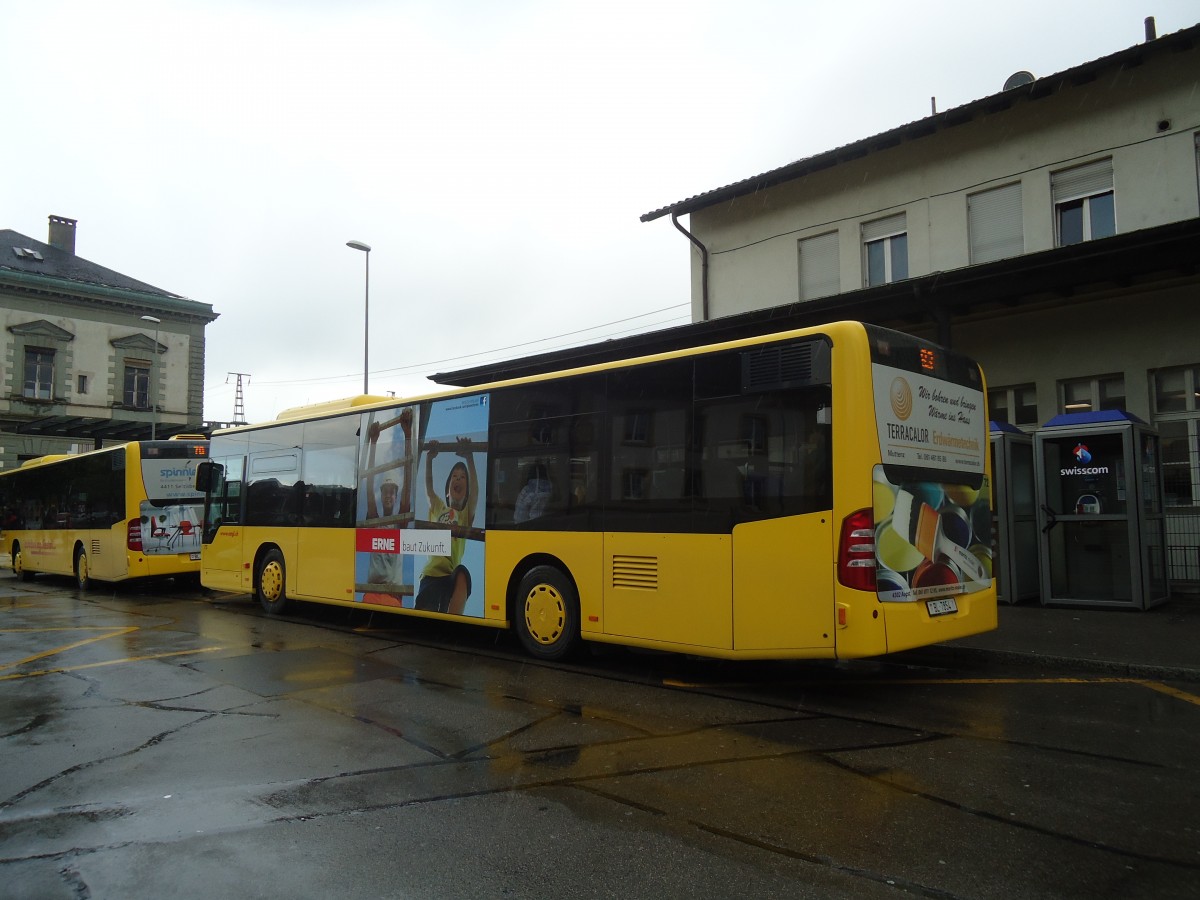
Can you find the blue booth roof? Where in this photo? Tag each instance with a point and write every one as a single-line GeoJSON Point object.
{"type": "Point", "coordinates": [1004, 426]}
{"type": "Point", "coordinates": [1092, 417]}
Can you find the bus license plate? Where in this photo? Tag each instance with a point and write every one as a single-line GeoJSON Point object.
{"type": "Point", "coordinates": [943, 606]}
{"type": "Point", "coordinates": [196, 556]}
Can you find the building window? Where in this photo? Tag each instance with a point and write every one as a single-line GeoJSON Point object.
{"type": "Point", "coordinates": [39, 374]}
{"type": "Point", "coordinates": [1015, 405]}
{"type": "Point", "coordinates": [81, 384]}
{"type": "Point", "coordinates": [994, 224]}
{"type": "Point", "coordinates": [1099, 392]}
{"type": "Point", "coordinates": [1084, 204]}
{"type": "Point", "coordinates": [1177, 419]}
{"type": "Point", "coordinates": [885, 250]}
{"type": "Point", "coordinates": [820, 273]}
{"type": "Point", "coordinates": [637, 426]}
{"type": "Point", "coordinates": [137, 384]}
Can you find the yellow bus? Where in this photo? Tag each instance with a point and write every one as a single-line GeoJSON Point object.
{"type": "Point", "coordinates": [126, 511]}
{"type": "Point", "coordinates": [816, 493]}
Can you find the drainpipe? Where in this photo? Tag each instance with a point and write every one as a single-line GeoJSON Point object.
{"type": "Point", "coordinates": [703, 265]}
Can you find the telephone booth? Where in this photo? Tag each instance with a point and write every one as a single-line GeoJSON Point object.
{"type": "Point", "coordinates": [1100, 511]}
{"type": "Point", "coordinates": [1014, 514]}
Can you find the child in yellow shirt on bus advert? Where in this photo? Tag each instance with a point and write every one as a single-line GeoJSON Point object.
{"type": "Point", "coordinates": [455, 560]}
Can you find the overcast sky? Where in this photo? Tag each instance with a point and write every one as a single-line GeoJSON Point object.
{"type": "Point", "coordinates": [495, 154]}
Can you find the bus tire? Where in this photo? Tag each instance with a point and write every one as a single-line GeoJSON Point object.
{"type": "Point", "coordinates": [270, 583]}
{"type": "Point", "coordinates": [18, 564]}
{"type": "Point", "coordinates": [83, 579]}
{"type": "Point", "coordinates": [546, 613]}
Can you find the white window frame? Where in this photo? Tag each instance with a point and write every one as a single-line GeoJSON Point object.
{"type": "Point", "coordinates": [41, 386]}
{"type": "Point", "coordinates": [1082, 184]}
{"type": "Point", "coordinates": [141, 369]}
{"type": "Point", "coordinates": [1010, 396]}
{"type": "Point", "coordinates": [885, 232]}
{"type": "Point", "coordinates": [1093, 386]}
{"type": "Point", "coordinates": [1188, 416]}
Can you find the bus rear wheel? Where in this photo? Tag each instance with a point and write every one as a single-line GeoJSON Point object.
{"type": "Point", "coordinates": [83, 579]}
{"type": "Point", "coordinates": [18, 564]}
{"type": "Point", "coordinates": [270, 583]}
{"type": "Point", "coordinates": [546, 613]}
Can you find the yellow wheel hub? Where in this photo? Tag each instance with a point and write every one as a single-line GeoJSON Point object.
{"type": "Point", "coordinates": [272, 581]}
{"type": "Point", "coordinates": [545, 614]}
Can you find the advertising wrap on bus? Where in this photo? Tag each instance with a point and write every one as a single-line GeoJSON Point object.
{"type": "Point", "coordinates": [931, 503]}
{"type": "Point", "coordinates": [417, 540]}
{"type": "Point", "coordinates": [170, 518]}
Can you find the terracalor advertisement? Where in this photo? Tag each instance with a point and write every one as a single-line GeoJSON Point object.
{"type": "Point", "coordinates": [932, 507]}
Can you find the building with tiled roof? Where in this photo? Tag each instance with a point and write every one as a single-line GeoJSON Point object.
{"type": "Point", "coordinates": [91, 356]}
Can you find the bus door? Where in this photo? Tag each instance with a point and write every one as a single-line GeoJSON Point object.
{"type": "Point", "coordinates": [783, 550]}
{"type": "Point", "coordinates": [274, 499]}
{"type": "Point", "coordinates": [221, 556]}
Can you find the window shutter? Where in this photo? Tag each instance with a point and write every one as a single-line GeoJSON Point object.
{"type": "Point", "coordinates": [994, 224]}
{"type": "Point", "coordinates": [881, 228]}
{"type": "Point", "coordinates": [1082, 181]}
{"type": "Point", "coordinates": [820, 274]}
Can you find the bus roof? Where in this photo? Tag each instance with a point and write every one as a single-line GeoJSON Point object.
{"type": "Point", "coordinates": [329, 407]}
{"type": "Point", "coordinates": [347, 404]}
{"type": "Point", "coordinates": [108, 448]}
{"type": "Point", "coordinates": [43, 460]}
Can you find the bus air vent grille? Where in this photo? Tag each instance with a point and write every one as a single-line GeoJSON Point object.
{"type": "Point", "coordinates": [639, 573]}
{"type": "Point", "coordinates": [95, 547]}
{"type": "Point", "coordinates": [788, 365]}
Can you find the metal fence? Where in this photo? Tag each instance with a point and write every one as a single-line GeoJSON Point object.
{"type": "Point", "coordinates": [1183, 548]}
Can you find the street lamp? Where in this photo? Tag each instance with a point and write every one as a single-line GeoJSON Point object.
{"type": "Point", "coordinates": [366, 249]}
{"type": "Point", "coordinates": [154, 380]}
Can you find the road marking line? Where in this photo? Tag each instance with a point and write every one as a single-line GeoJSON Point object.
{"type": "Point", "coordinates": [1172, 692]}
{"type": "Point", "coordinates": [1142, 682]}
{"type": "Point", "coordinates": [108, 662]}
{"type": "Point", "coordinates": [112, 632]}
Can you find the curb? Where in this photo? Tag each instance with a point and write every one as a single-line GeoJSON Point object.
{"type": "Point", "coordinates": [1031, 659]}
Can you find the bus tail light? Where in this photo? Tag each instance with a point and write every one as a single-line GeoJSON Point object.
{"type": "Point", "coordinates": [133, 538]}
{"type": "Point", "coordinates": [856, 551]}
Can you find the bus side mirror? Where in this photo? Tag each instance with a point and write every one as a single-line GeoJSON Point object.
{"type": "Point", "coordinates": [208, 476]}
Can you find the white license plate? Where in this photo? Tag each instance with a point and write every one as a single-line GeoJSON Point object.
{"type": "Point", "coordinates": [196, 556]}
{"type": "Point", "coordinates": [943, 606]}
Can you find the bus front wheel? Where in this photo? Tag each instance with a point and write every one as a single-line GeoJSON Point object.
{"type": "Point", "coordinates": [18, 564]}
{"type": "Point", "coordinates": [270, 583]}
{"type": "Point", "coordinates": [83, 580]}
{"type": "Point", "coordinates": [546, 613]}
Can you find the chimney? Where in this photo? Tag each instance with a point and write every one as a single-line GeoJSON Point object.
{"type": "Point", "coordinates": [1151, 30]}
{"type": "Point", "coordinates": [62, 234]}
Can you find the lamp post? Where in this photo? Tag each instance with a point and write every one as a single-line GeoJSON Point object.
{"type": "Point", "coordinates": [366, 249]}
{"type": "Point", "coordinates": [154, 380]}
